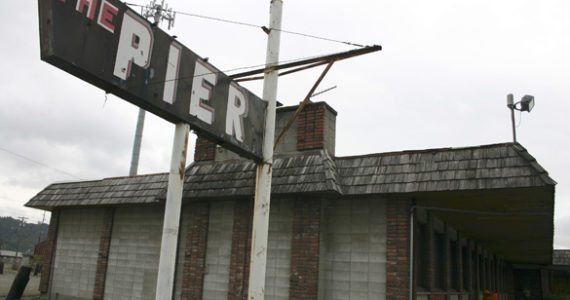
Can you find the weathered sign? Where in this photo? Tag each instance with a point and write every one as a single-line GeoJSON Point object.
{"type": "Point", "coordinates": [107, 44]}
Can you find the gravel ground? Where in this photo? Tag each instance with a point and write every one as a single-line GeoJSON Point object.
{"type": "Point", "coordinates": [7, 278]}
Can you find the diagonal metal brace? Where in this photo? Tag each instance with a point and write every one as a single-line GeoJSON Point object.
{"type": "Point", "coordinates": [312, 62]}
{"type": "Point", "coordinates": [302, 105]}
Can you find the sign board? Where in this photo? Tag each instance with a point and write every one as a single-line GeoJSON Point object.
{"type": "Point", "coordinates": [107, 44]}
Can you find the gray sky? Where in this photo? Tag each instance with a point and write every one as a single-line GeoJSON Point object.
{"type": "Point", "coordinates": [440, 81]}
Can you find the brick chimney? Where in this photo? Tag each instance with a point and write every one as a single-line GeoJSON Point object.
{"type": "Point", "coordinates": [314, 128]}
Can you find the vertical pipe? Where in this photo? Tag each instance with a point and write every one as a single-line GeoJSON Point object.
{"type": "Point", "coordinates": [137, 144]}
{"type": "Point", "coordinates": [513, 122]}
{"type": "Point", "coordinates": [171, 223]}
{"type": "Point", "coordinates": [260, 226]}
{"type": "Point", "coordinates": [411, 291]}
{"type": "Point", "coordinates": [511, 106]}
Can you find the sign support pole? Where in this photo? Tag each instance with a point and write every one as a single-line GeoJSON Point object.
{"type": "Point", "coordinates": [171, 223]}
{"type": "Point", "coordinates": [260, 226]}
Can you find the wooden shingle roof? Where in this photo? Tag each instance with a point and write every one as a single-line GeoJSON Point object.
{"type": "Point", "coordinates": [309, 172]}
{"type": "Point", "coordinates": [487, 167]}
{"type": "Point", "coordinates": [120, 190]}
{"type": "Point", "coordinates": [475, 168]}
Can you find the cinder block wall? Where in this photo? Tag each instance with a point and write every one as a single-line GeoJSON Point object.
{"type": "Point", "coordinates": [76, 253]}
{"type": "Point", "coordinates": [134, 253]}
{"type": "Point", "coordinates": [355, 255]}
{"type": "Point", "coordinates": [219, 243]}
{"type": "Point", "coordinates": [279, 250]}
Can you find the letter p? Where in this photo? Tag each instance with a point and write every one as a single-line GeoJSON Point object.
{"type": "Point", "coordinates": [135, 45]}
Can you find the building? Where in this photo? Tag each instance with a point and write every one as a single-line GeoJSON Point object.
{"type": "Point", "coordinates": [11, 257]}
{"type": "Point", "coordinates": [340, 227]}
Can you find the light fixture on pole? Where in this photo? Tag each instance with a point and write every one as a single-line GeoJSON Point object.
{"type": "Point", "coordinates": [526, 104]}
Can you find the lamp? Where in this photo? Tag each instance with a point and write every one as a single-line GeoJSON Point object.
{"type": "Point", "coordinates": [526, 104]}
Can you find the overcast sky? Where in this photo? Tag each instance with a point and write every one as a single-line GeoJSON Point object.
{"type": "Point", "coordinates": [440, 81]}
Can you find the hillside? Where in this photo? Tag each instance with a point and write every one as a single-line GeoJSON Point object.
{"type": "Point", "coordinates": [13, 236]}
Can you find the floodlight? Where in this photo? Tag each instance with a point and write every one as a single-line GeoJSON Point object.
{"type": "Point", "coordinates": [527, 103]}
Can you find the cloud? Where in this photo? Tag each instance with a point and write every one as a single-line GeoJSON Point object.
{"type": "Point", "coordinates": [562, 233]}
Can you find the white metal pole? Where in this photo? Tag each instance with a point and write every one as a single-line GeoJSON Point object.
{"type": "Point", "coordinates": [264, 170]}
{"type": "Point", "coordinates": [137, 143]}
{"type": "Point", "coordinates": [171, 223]}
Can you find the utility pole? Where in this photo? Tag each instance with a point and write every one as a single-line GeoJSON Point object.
{"type": "Point", "coordinates": [260, 228]}
{"type": "Point", "coordinates": [20, 226]}
{"type": "Point", "coordinates": [159, 12]}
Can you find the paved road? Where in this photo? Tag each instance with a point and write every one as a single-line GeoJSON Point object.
{"type": "Point", "coordinates": [7, 278]}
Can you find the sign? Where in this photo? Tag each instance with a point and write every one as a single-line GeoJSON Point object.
{"type": "Point", "coordinates": [107, 44]}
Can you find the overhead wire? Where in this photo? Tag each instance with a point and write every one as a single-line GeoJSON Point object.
{"type": "Point", "coordinates": [39, 163]}
{"type": "Point", "coordinates": [256, 26]}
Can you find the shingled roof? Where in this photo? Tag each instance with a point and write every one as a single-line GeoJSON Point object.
{"type": "Point", "coordinates": [487, 167]}
{"type": "Point", "coordinates": [120, 190]}
{"type": "Point", "coordinates": [475, 168]}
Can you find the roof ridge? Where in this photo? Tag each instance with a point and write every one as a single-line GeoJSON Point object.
{"type": "Point", "coordinates": [131, 176]}
{"type": "Point", "coordinates": [330, 165]}
{"type": "Point", "coordinates": [435, 150]}
{"type": "Point", "coordinates": [533, 163]}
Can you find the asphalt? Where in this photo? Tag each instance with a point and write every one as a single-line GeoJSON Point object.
{"type": "Point", "coordinates": [6, 279]}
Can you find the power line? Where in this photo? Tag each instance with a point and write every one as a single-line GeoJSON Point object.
{"type": "Point", "coordinates": [39, 163]}
{"type": "Point", "coordinates": [259, 26]}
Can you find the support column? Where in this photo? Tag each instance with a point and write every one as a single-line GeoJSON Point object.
{"type": "Point", "coordinates": [195, 252]}
{"type": "Point", "coordinates": [171, 222]}
{"type": "Point", "coordinates": [103, 259]}
{"type": "Point", "coordinates": [241, 251]}
{"type": "Point", "coordinates": [50, 253]}
{"type": "Point", "coordinates": [265, 168]}
{"type": "Point", "coordinates": [305, 246]}
{"type": "Point", "coordinates": [398, 249]}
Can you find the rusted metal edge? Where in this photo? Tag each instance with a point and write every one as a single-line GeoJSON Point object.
{"type": "Point", "coordinates": [286, 72]}
{"type": "Point", "coordinates": [326, 58]}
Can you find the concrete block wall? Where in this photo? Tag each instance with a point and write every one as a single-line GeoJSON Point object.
{"type": "Point", "coordinates": [289, 141]}
{"type": "Point", "coordinates": [279, 250]}
{"type": "Point", "coordinates": [317, 248]}
{"type": "Point", "coordinates": [76, 253]}
{"type": "Point", "coordinates": [134, 253]}
{"type": "Point", "coordinates": [355, 255]}
{"type": "Point", "coordinates": [219, 245]}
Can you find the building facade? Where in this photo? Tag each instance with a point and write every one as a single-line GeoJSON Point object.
{"type": "Point", "coordinates": [429, 224]}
